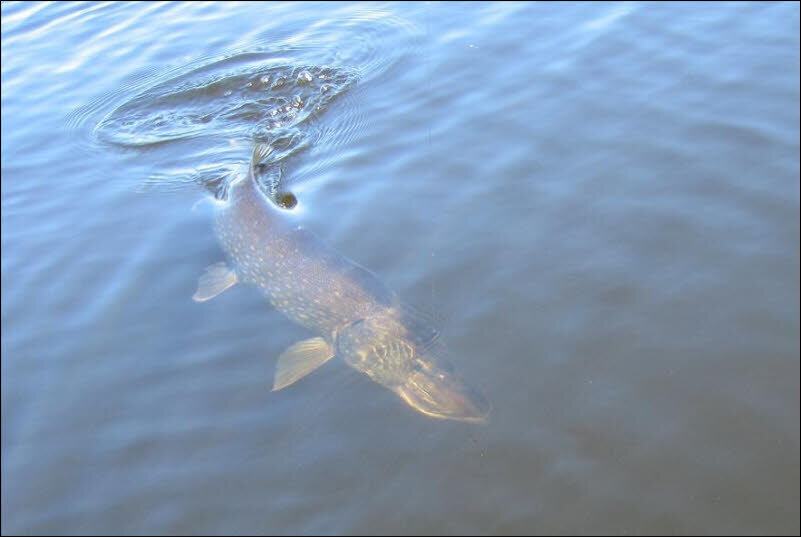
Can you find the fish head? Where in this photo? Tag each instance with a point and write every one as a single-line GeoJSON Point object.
{"type": "Point", "coordinates": [434, 388]}
{"type": "Point", "coordinates": [415, 369]}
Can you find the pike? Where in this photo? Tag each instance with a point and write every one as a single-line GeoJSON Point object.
{"type": "Point", "coordinates": [354, 315]}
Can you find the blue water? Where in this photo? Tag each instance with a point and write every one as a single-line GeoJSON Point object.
{"type": "Point", "coordinates": [599, 202]}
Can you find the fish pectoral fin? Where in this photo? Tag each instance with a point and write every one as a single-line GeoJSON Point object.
{"type": "Point", "coordinates": [214, 280]}
{"type": "Point", "coordinates": [301, 359]}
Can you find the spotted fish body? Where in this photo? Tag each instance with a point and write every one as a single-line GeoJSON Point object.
{"type": "Point", "coordinates": [354, 315]}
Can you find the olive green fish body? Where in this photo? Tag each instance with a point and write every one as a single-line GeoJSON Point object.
{"type": "Point", "coordinates": [354, 315]}
{"type": "Point", "coordinates": [309, 282]}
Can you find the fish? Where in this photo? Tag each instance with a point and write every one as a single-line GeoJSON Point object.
{"type": "Point", "coordinates": [354, 315]}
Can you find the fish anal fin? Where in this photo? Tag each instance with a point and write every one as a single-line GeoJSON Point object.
{"type": "Point", "coordinates": [301, 359]}
{"type": "Point", "coordinates": [214, 280]}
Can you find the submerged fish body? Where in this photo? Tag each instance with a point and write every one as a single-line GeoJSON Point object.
{"type": "Point", "coordinates": [354, 315]}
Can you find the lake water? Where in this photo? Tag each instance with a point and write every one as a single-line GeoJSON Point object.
{"type": "Point", "coordinates": [598, 202]}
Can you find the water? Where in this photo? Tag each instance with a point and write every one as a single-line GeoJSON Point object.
{"type": "Point", "coordinates": [600, 202]}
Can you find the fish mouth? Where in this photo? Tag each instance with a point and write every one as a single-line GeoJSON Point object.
{"type": "Point", "coordinates": [444, 396]}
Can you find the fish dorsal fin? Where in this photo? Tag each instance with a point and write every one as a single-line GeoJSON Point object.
{"type": "Point", "coordinates": [216, 279]}
{"type": "Point", "coordinates": [261, 152]}
{"type": "Point", "coordinates": [301, 359]}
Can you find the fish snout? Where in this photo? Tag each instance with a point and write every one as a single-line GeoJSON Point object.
{"type": "Point", "coordinates": [441, 394]}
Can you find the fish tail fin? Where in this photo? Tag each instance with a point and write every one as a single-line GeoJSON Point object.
{"type": "Point", "coordinates": [262, 156]}
{"type": "Point", "coordinates": [261, 152]}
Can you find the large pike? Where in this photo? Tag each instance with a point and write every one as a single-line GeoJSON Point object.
{"type": "Point", "coordinates": [354, 315]}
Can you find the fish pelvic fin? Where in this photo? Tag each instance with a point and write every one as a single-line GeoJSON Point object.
{"type": "Point", "coordinates": [214, 280]}
{"type": "Point", "coordinates": [301, 359]}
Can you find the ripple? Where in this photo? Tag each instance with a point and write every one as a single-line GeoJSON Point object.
{"type": "Point", "coordinates": [263, 91]}
{"type": "Point", "coordinates": [228, 97]}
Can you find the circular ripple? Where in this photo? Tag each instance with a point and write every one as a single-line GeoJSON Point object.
{"type": "Point", "coordinates": [264, 92]}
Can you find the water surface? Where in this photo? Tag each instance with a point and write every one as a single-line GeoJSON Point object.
{"type": "Point", "coordinates": [600, 202]}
